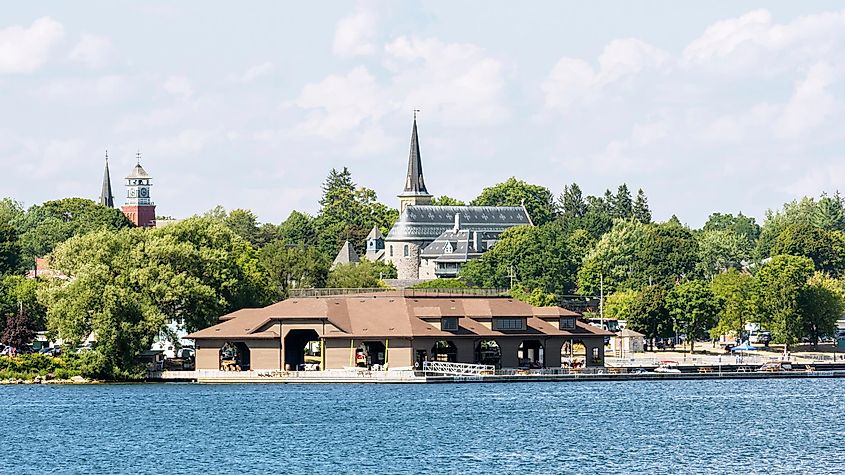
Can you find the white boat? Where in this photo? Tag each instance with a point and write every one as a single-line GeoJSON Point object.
{"type": "Point", "coordinates": [667, 367]}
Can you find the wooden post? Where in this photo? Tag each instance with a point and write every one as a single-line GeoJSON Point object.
{"type": "Point", "coordinates": [351, 352]}
{"type": "Point", "coordinates": [386, 351]}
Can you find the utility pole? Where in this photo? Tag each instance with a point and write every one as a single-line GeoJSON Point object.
{"type": "Point", "coordinates": [511, 275]}
{"type": "Point", "coordinates": [601, 300]}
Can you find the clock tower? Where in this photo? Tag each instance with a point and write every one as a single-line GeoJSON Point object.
{"type": "Point", "coordinates": [139, 208]}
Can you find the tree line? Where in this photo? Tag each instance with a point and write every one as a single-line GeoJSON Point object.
{"type": "Point", "coordinates": [121, 284]}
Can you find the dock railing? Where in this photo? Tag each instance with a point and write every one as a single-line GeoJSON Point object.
{"type": "Point", "coordinates": [389, 292]}
{"type": "Point", "coordinates": [457, 369]}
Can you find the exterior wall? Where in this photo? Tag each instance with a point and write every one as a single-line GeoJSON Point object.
{"type": "Point", "coordinates": [589, 344]}
{"type": "Point", "coordinates": [427, 268]}
{"type": "Point", "coordinates": [141, 215]}
{"type": "Point", "coordinates": [406, 267]}
{"type": "Point", "coordinates": [405, 201]}
{"type": "Point", "coordinates": [339, 353]}
{"type": "Point", "coordinates": [400, 354]}
{"type": "Point", "coordinates": [264, 354]}
{"type": "Point", "coordinates": [208, 354]}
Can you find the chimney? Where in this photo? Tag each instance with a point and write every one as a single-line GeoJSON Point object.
{"type": "Point", "coordinates": [476, 241]}
{"type": "Point", "coordinates": [457, 222]}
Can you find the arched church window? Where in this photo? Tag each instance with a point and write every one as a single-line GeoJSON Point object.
{"type": "Point", "coordinates": [406, 250]}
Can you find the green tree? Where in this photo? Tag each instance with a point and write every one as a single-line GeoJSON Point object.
{"type": "Point", "coordinates": [17, 291]}
{"type": "Point", "coordinates": [669, 255]}
{"type": "Point", "coordinates": [11, 212]}
{"type": "Point", "coordinates": [740, 224]}
{"type": "Point", "coordinates": [362, 275]}
{"type": "Point", "coordinates": [795, 212]}
{"type": "Point", "coordinates": [641, 211]}
{"type": "Point", "coordinates": [571, 202]}
{"type": "Point", "coordinates": [830, 213]}
{"type": "Point", "coordinates": [649, 314]}
{"type": "Point", "coordinates": [10, 249]}
{"type": "Point", "coordinates": [47, 225]}
{"type": "Point", "coordinates": [538, 200]}
{"type": "Point", "coordinates": [291, 266]}
{"type": "Point", "coordinates": [622, 205]}
{"type": "Point", "coordinates": [780, 284]}
{"type": "Point", "coordinates": [536, 297]}
{"type": "Point", "coordinates": [618, 305]}
{"type": "Point", "coordinates": [693, 307]}
{"type": "Point", "coordinates": [348, 213]}
{"type": "Point", "coordinates": [299, 228]}
{"type": "Point", "coordinates": [719, 250]}
{"type": "Point", "coordinates": [821, 304]}
{"type": "Point", "coordinates": [537, 256]}
{"type": "Point", "coordinates": [446, 201]}
{"type": "Point", "coordinates": [614, 259]}
{"type": "Point", "coordinates": [825, 248]}
{"type": "Point", "coordinates": [244, 223]}
{"type": "Point", "coordinates": [735, 290]}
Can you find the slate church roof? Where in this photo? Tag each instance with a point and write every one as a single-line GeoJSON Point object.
{"type": "Point", "coordinates": [347, 255]}
{"type": "Point", "coordinates": [459, 246]}
{"type": "Point", "coordinates": [427, 222]}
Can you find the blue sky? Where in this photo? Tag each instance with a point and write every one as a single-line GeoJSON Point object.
{"type": "Point", "coordinates": [707, 106]}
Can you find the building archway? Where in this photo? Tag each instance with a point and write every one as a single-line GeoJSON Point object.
{"type": "Point", "coordinates": [234, 356]}
{"type": "Point", "coordinates": [530, 354]}
{"type": "Point", "coordinates": [370, 353]}
{"type": "Point", "coordinates": [302, 348]}
{"type": "Point", "coordinates": [573, 354]}
{"type": "Point", "coordinates": [488, 352]}
{"type": "Point", "coordinates": [445, 351]}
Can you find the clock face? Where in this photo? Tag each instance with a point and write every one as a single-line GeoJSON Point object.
{"type": "Point", "coordinates": [143, 192]}
{"type": "Point", "coordinates": [132, 192]}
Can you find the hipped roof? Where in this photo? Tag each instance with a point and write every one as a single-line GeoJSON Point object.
{"type": "Point", "coordinates": [383, 315]}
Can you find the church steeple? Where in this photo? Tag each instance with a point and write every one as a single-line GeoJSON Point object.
{"type": "Point", "coordinates": [415, 192]}
{"type": "Point", "coordinates": [106, 197]}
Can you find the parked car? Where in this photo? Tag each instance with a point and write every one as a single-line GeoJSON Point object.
{"type": "Point", "coordinates": [54, 351]}
{"type": "Point", "coordinates": [760, 338]}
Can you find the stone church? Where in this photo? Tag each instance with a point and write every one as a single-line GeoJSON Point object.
{"type": "Point", "coordinates": [428, 241]}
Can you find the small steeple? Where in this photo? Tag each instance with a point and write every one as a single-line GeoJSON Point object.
{"type": "Point", "coordinates": [347, 255]}
{"type": "Point", "coordinates": [106, 197]}
{"type": "Point", "coordinates": [414, 182]}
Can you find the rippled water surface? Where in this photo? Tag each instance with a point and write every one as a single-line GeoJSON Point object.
{"type": "Point", "coordinates": [756, 426]}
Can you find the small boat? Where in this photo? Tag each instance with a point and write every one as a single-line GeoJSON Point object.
{"type": "Point", "coordinates": [667, 366]}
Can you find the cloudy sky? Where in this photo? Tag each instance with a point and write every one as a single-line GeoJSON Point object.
{"type": "Point", "coordinates": [708, 106]}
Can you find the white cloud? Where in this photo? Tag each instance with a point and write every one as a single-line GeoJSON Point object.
{"type": "Point", "coordinates": [810, 105]}
{"type": "Point", "coordinates": [256, 71]}
{"type": "Point", "coordinates": [574, 80]}
{"type": "Point", "coordinates": [178, 86]}
{"type": "Point", "coordinates": [86, 91]}
{"type": "Point", "coordinates": [354, 35]}
{"type": "Point", "coordinates": [458, 82]}
{"type": "Point", "coordinates": [23, 50]}
{"type": "Point", "coordinates": [92, 50]}
{"type": "Point", "coordinates": [752, 43]}
{"type": "Point", "coordinates": [341, 103]}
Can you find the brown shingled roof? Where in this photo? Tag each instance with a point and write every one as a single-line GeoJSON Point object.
{"type": "Point", "coordinates": [382, 315]}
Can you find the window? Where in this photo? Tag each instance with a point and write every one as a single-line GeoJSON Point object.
{"type": "Point", "coordinates": [391, 250]}
{"type": "Point", "coordinates": [508, 324]}
{"type": "Point", "coordinates": [449, 323]}
{"type": "Point", "coordinates": [406, 250]}
{"type": "Point", "coordinates": [567, 323]}
{"type": "Point", "coordinates": [596, 359]}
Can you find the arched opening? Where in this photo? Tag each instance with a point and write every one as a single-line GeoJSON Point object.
{"type": "Point", "coordinates": [573, 354]}
{"type": "Point", "coordinates": [302, 350]}
{"type": "Point", "coordinates": [234, 356]}
{"type": "Point", "coordinates": [530, 354]}
{"type": "Point", "coordinates": [371, 354]}
{"type": "Point", "coordinates": [444, 351]}
{"type": "Point", "coordinates": [488, 352]}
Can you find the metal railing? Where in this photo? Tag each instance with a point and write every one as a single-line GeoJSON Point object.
{"type": "Point", "coordinates": [485, 292]}
{"type": "Point", "coordinates": [457, 369]}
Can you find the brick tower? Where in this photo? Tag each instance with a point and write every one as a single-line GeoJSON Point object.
{"type": "Point", "coordinates": [139, 208]}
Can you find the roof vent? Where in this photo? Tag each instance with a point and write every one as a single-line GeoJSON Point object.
{"type": "Point", "coordinates": [457, 222]}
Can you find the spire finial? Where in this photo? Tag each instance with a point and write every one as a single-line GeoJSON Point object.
{"type": "Point", "coordinates": [415, 114]}
{"type": "Point", "coordinates": [138, 157]}
{"type": "Point", "coordinates": [107, 155]}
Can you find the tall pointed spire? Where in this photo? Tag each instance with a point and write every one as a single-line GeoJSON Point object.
{"type": "Point", "coordinates": [106, 197]}
{"type": "Point", "coordinates": [414, 182]}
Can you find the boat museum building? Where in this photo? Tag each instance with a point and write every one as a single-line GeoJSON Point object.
{"type": "Point", "coordinates": [398, 330]}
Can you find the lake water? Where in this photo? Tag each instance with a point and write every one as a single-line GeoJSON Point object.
{"type": "Point", "coordinates": [755, 426]}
